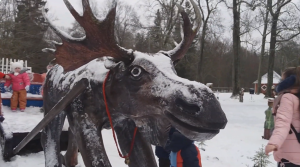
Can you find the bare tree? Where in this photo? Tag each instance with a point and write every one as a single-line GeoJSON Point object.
{"type": "Point", "coordinates": [237, 32]}
{"type": "Point", "coordinates": [236, 9]}
{"type": "Point", "coordinates": [288, 25]}
{"type": "Point", "coordinates": [127, 24]}
{"type": "Point", "coordinates": [262, 17]}
{"type": "Point", "coordinates": [207, 10]}
{"type": "Point", "coordinates": [170, 18]}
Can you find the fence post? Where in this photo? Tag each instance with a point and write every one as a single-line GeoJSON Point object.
{"type": "Point", "coordinates": [6, 65]}
{"type": "Point", "coordinates": [2, 68]}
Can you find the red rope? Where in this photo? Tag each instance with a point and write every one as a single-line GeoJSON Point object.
{"type": "Point", "coordinates": [111, 123]}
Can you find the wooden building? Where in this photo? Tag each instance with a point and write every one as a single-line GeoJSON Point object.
{"type": "Point", "coordinates": [264, 82]}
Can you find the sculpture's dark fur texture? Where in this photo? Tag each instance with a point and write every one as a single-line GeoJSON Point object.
{"type": "Point", "coordinates": [152, 100]}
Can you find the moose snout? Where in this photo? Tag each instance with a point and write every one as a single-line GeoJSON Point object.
{"type": "Point", "coordinates": [191, 109]}
{"type": "Point", "coordinates": [213, 116]}
{"type": "Point", "coordinates": [206, 113]}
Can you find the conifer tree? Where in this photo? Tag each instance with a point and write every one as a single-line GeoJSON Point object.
{"type": "Point", "coordinates": [260, 159]}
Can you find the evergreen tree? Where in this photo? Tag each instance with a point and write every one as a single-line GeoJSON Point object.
{"type": "Point", "coordinates": [27, 35]}
{"type": "Point", "coordinates": [141, 43]}
{"type": "Point", "coordinates": [202, 145]}
{"type": "Point", "coordinates": [260, 159]}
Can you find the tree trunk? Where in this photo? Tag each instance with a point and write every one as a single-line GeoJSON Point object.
{"type": "Point", "coordinates": [236, 50]}
{"type": "Point", "coordinates": [272, 54]}
{"type": "Point", "coordinates": [262, 52]}
{"type": "Point", "coordinates": [202, 44]}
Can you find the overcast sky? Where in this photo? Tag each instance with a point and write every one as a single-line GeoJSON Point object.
{"type": "Point", "coordinates": [58, 10]}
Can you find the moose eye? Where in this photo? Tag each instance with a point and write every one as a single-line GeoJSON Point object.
{"type": "Point", "coordinates": [136, 71]}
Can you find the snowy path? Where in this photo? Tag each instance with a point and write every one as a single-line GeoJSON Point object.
{"type": "Point", "coordinates": [231, 148]}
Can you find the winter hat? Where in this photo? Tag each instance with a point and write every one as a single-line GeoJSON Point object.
{"type": "Point", "coordinates": [273, 87]}
{"type": "Point", "coordinates": [271, 100]}
{"type": "Point", "coordinates": [286, 83]}
{"type": "Point", "coordinates": [15, 65]}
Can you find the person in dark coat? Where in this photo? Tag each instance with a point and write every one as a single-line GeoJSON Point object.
{"type": "Point", "coordinates": [163, 156]}
{"type": "Point", "coordinates": [4, 76]}
{"type": "Point", "coordinates": [183, 152]}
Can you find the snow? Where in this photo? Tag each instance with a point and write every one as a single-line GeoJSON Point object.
{"type": "Point", "coordinates": [165, 82]}
{"type": "Point", "coordinates": [264, 78]}
{"type": "Point", "coordinates": [164, 64]}
{"type": "Point", "coordinates": [94, 70]}
{"type": "Point", "coordinates": [233, 146]}
{"type": "Point", "coordinates": [209, 84]}
{"type": "Point", "coordinates": [24, 121]}
{"type": "Point", "coordinates": [51, 153]}
{"type": "Point", "coordinates": [48, 49]}
{"type": "Point", "coordinates": [7, 130]}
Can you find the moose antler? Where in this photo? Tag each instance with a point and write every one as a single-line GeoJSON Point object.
{"type": "Point", "coordinates": [98, 42]}
{"type": "Point", "coordinates": [189, 33]}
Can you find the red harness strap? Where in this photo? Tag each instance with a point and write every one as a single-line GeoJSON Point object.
{"type": "Point", "coordinates": [112, 127]}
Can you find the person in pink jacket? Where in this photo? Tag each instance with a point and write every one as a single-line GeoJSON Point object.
{"type": "Point", "coordinates": [20, 85]}
{"type": "Point", "coordinates": [286, 109]}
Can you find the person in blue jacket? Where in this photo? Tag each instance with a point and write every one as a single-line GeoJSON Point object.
{"type": "Point", "coordinates": [163, 156]}
{"type": "Point", "coordinates": [183, 152]}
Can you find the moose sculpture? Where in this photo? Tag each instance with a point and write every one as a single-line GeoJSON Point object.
{"type": "Point", "coordinates": [122, 89]}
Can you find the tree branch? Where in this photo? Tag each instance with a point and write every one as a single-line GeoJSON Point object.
{"type": "Point", "coordinates": [290, 38]}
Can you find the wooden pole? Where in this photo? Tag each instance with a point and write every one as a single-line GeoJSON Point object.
{"type": "Point", "coordinates": [6, 65]}
{"type": "Point", "coordinates": [60, 106]}
{"type": "Point", "coordinates": [2, 68]}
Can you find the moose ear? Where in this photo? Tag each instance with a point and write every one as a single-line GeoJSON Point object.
{"type": "Point", "coordinates": [110, 63]}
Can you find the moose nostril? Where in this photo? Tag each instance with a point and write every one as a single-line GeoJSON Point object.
{"type": "Point", "coordinates": [192, 109]}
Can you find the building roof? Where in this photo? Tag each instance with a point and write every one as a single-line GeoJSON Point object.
{"type": "Point", "coordinates": [264, 78]}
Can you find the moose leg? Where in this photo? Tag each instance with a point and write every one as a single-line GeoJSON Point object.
{"type": "Point", "coordinates": [142, 153]}
{"type": "Point", "coordinates": [89, 140]}
{"type": "Point", "coordinates": [71, 156]}
{"type": "Point", "coordinates": [51, 141]}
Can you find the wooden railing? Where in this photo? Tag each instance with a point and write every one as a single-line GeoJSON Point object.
{"type": "Point", "coordinates": [226, 89]}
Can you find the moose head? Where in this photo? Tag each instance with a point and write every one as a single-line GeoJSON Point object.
{"type": "Point", "coordinates": [142, 87]}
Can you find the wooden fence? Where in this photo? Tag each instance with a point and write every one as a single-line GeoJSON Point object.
{"type": "Point", "coordinates": [226, 89]}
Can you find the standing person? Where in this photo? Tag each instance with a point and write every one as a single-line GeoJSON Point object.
{"type": "Point", "coordinates": [20, 85]}
{"type": "Point", "coordinates": [163, 157]}
{"type": "Point", "coordinates": [2, 76]}
{"type": "Point", "coordinates": [269, 120]}
{"type": "Point", "coordinates": [183, 152]}
{"type": "Point", "coordinates": [284, 141]}
{"type": "Point", "coordinates": [241, 95]}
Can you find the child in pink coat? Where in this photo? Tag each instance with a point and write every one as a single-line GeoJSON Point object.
{"type": "Point", "coordinates": [20, 85]}
{"type": "Point", "coordinates": [286, 109]}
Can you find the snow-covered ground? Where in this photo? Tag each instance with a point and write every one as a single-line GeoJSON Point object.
{"type": "Point", "coordinates": [231, 148]}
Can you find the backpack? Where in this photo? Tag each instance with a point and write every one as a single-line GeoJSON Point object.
{"type": "Point", "coordinates": [292, 127]}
